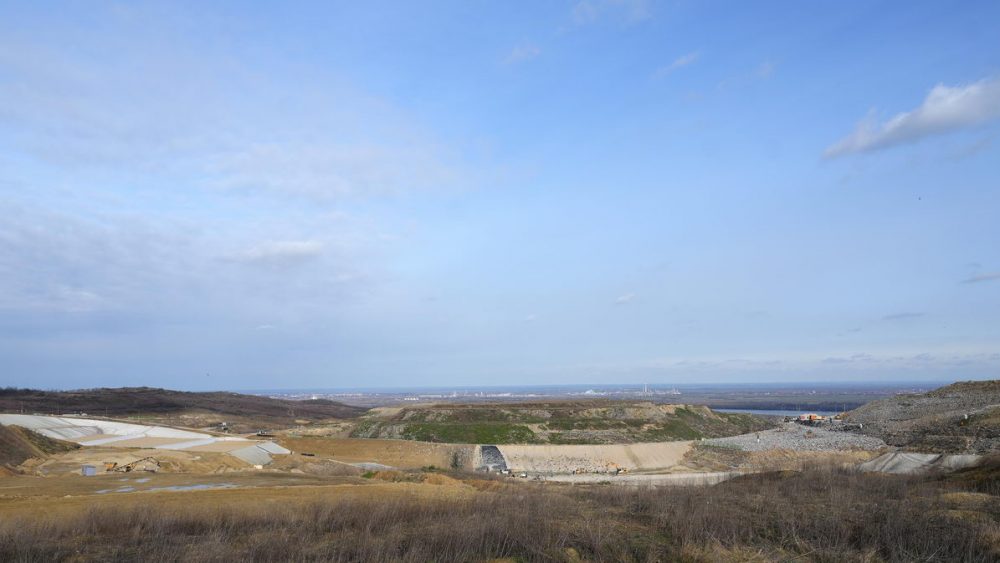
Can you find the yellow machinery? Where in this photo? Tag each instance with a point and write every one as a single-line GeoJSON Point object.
{"type": "Point", "coordinates": [128, 467]}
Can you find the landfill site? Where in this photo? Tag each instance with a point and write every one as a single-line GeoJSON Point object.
{"type": "Point", "coordinates": [327, 448]}
{"type": "Point", "coordinates": [95, 432]}
{"type": "Point", "coordinates": [140, 474]}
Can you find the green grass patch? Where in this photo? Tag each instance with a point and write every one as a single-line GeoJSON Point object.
{"type": "Point", "coordinates": [470, 433]}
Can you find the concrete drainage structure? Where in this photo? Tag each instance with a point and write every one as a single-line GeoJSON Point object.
{"type": "Point", "coordinates": [568, 459]}
{"type": "Point", "coordinates": [489, 458]}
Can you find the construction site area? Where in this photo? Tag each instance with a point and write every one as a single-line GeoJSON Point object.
{"type": "Point", "coordinates": [613, 450]}
{"type": "Point", "coordinates": [72, 465]}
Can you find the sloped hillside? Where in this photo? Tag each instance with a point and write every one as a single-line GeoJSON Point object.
{"type": "Point", "coordinates": [18, 444]}
{"type": "Point", "coordinates": [569, 422]}
{"type": "Point", "coordinates": [152, 403]}
{"type": "Point", "coordinates": [959, 418]}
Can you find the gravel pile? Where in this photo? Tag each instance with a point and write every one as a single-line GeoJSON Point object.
{"type": "Point", "coordinates": [960, 418]}
{"type": "Point", "coordinates": [792, 436]}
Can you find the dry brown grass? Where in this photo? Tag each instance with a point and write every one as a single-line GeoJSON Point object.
{"type": "Point", "coordinates": [404, 454]}
{"type": "Point", "coordinates": [819, 514]}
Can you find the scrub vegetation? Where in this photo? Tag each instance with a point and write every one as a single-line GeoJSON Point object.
{"type": "Point", "coordinates": [181, 408]}
{"type": "Point", "coordinates": [822, 513]}
{"type": "Point", "coordinates": [557, 422]}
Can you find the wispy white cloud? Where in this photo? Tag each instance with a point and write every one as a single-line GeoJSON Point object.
{"type": "Point", "coordinates": [945, 109]}
{"type": "Point", "coordinates": [322, 140]}
{"type": "Point", "coordinates": [331, 171]}
{"type": "Point", "coordinates": [978, 278]}
{"type": "Point", "coordinates": [913, 364]}
{"type": "Point", "coordinates": [152, 268]}
{"type": "Point", "coordinates": [766, 69]}
{"type": "Point", "coordinates": [902, 316]}
{"type": "Point", "coordinates": [522, 52]}
{"type": "Point", "coordinates": [624, 299]}
{"type": "Point", "coordinates": [589, 11]}
{"type": "Point", "coordinates": [750, 75]}
{"type": "Point", "coordinates": [678, 63]}
{"type": "Point", "coordinates": [282, 252]}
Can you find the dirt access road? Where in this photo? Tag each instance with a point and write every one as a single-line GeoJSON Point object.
{"type": "Point", "coordinates": [401, 454]}
{"type": "Point", "coordinates": [40, 497]}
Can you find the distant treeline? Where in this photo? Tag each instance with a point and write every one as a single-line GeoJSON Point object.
{"type": "Point", "coordinates": [128, 401]}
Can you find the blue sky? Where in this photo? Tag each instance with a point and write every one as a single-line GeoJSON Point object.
{"type": "Point", "coordinates": [259, 195]}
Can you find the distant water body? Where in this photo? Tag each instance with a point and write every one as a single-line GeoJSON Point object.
{"type": "Point", "coordinates": [768, 412]}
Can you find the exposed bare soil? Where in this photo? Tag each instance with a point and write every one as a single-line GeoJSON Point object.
{"type": "Point", "coordinates": [20, 444]}
{"type": "Point", "coordinates": [959, 418]}
{"type": "Point", "coordinates": [594, 458]}
{"type": "Point", "coordinates": [403, 454]}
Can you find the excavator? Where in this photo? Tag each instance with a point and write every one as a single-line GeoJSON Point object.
{"type": "Point", "coordinates": [128, 467]}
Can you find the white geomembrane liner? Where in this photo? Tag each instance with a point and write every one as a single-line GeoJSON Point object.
{"type": "Point", "coordinates": [272, 448]}
{"type": "Point", "coordinates": [911, 463]}
{"type": "Point", "coordinates": [91, 432]}
{"type": "Point", "coordinates": [252, 455]}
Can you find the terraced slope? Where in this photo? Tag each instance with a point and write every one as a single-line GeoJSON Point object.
{"type": "Point", "coordinates": [959, 418]}
{"type": "Point", "coordinates": [557, 422]}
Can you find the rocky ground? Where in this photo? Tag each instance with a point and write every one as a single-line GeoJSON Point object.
{"type": "Point", "coordinates": [959, 418]}
{"type": "Point", "coordinates": [792, 436]}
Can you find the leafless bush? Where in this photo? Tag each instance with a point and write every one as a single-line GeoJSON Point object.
{"type": "Point", "coordinates": [823, 514]}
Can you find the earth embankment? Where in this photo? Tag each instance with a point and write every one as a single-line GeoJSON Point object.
{"type": "Point", "coordinates": [959, 418]}
{"type": "Point", "coordinates": [595, 458]}
{"type": "Point", "coordinates": [555, 422]}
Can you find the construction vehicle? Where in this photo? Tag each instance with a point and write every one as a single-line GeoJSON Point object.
{"type": "Point", "coordinates": [812, 419]}
{"type": "Point", "coordinates": [615, 469]}
{"type": "Point", "coordinates": [132, 466]}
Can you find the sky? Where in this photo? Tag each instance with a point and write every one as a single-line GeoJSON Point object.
{"type": "Point", "coordinates": [260, 195]}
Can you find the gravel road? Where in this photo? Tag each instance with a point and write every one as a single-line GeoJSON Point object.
{"type": "Point", "coordinates": [792, 436]}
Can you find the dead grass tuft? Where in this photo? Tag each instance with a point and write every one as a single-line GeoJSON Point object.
{"type": "Point", "coordinates": [818, 514]}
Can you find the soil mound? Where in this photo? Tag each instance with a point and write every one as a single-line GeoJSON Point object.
{"type": "Point", "coordinates": [959, 418]}
{"type": "Point", "coordinates": [555, 422]}
{"type": "Point", "coordinates": [20, 444]}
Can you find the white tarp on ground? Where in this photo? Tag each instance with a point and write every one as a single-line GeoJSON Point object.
{"type": "Point", "coordinates": [189, 444]}
{"type": "Point", "coordinates": [255, 455]}
{"type": "Point", "coordinates": [93, 432]}
{"type": "Point", "coordinates": [272, 448]}
{"type": "Point", "coordinates": [908, 463]}
{"type": "Point", "coordinates": [75, 429]}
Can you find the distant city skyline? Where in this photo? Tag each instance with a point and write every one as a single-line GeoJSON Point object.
{"type": "Point", "coordinates": [235, 195]}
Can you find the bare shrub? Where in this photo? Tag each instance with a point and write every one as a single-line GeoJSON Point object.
{"type": "Point", "coordinates": [821, 514]}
